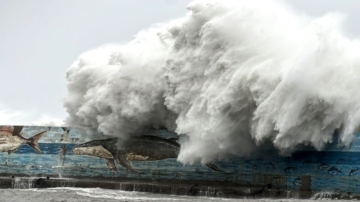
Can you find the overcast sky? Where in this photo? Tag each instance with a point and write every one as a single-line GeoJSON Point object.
{"type": "Point", "coordinates": [39, 40]}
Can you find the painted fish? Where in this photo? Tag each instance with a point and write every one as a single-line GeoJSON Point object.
{"type": "Point", "coordinates": [290, 169]}
{"type": "Point", "coordinates": [269, 165]}
{"type": "Point", "coordinates": [297, 182]}
{"type": "Point", "coordinates": [323, 166]}
{"type": "Point", "coordinates": [353, 171]}
{"type": "Point", "coordinates": [142, 148]}
{"type": "Point", "coordinates": [334, 171]}
{"type": "Point", "coordinates": [11, 139]}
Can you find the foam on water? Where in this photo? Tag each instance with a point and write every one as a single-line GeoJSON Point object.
{"type": "Point", "coordinates": [96, 194]}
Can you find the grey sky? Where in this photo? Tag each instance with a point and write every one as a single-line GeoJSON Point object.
{"type": "Point", "coordinates": [351, 8]}
{"type": "Point", "coordinates": [39, 39]}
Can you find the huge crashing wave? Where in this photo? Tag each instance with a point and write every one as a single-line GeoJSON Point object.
{"type": "Point", "coordinates": [231, 75]}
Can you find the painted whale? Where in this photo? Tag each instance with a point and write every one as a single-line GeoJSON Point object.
{"type": "Point", "coordinates": [11, 139]}
{"type": "Point", "coordinates": [141, 148]}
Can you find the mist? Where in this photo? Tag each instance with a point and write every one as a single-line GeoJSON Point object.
{"type": "Point", "coordinates": [231, 75]}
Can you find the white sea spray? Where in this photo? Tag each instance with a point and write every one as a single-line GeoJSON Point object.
{"type": "Point", "coordinates": [230, 75]}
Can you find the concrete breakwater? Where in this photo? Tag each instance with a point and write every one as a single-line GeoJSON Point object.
{"type": "Point", "coordinates": [174, 188]}
{"type": "Point", "coordinates": [207, 189]}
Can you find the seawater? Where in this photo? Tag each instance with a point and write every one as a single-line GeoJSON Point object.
{"type": "Point", "coordinates": [106, 195]}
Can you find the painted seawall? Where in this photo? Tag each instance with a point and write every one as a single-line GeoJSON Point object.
{"type": "Point", "coordinates": [334, 169]}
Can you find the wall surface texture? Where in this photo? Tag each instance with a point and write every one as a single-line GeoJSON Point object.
{"type": "Point", "coordinates": [82, 153]}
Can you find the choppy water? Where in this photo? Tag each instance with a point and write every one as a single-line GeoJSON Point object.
{"type": "Point", "coordinates": [105, 195]}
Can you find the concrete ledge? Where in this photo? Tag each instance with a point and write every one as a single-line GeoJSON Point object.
{"type": "Point", "coordinates": [175, 188]}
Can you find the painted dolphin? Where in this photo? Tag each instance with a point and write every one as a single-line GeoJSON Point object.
{"type": "Point", "coordinates": [323, 166]}
{"type": "Point", "coordinates": [11, 139]}
{"type": "Point", "coordinates": [269, 165]}
{"type": "Point", "coordinates": [290, 169]}
{"type": "Point", "coordinates": [142, 148]}
{"type": "Point", "coordinates": [297, 182]}
{"type": "Point", "coordinates": [334, 171]}
{"type": "Point", "coordinates": [353, 171]}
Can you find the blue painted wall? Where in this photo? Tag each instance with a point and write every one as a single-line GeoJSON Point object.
{"type": "Point", "coordinates": [335, 169]}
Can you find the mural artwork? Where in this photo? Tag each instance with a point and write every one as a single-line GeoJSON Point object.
{"type": "Point", "coordinates": [11, 139]}
{"type": "Point", "coordinates": [143, 148]}
{"type": "Point", "coordinates": [72, 152]}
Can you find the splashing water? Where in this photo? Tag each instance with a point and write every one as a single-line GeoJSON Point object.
{"type": "Point", "coordinates": [96, 194]}
{"type": "Point", "coordinates": [231, 75]}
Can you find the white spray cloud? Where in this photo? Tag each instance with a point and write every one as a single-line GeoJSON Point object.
{"type": "Point", "coordinates": [230, 75]}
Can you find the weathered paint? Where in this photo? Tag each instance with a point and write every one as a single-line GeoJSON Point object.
{"type": "Point", "coordinates": [334, 169]}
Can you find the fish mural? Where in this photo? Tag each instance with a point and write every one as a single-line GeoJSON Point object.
{"type": "Point", "coordinates": [11, 139]}
{"type": "Point", "coordinates": [353, 171]}
{"type": "Point", "coordinates": [72, 152]}
{"type": "Point", "coordinates": [323, 166]}
{"type": "Point", "coordinates": [297, 182]}
{"type": "Point", "coordinates": [142, 148]}
{"type": "Point", "coordinates": [269, 165]}
{"type": "Point", "coordinates": [290, 169]}
{"type": "Point", "coordinates": [334, 171]}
